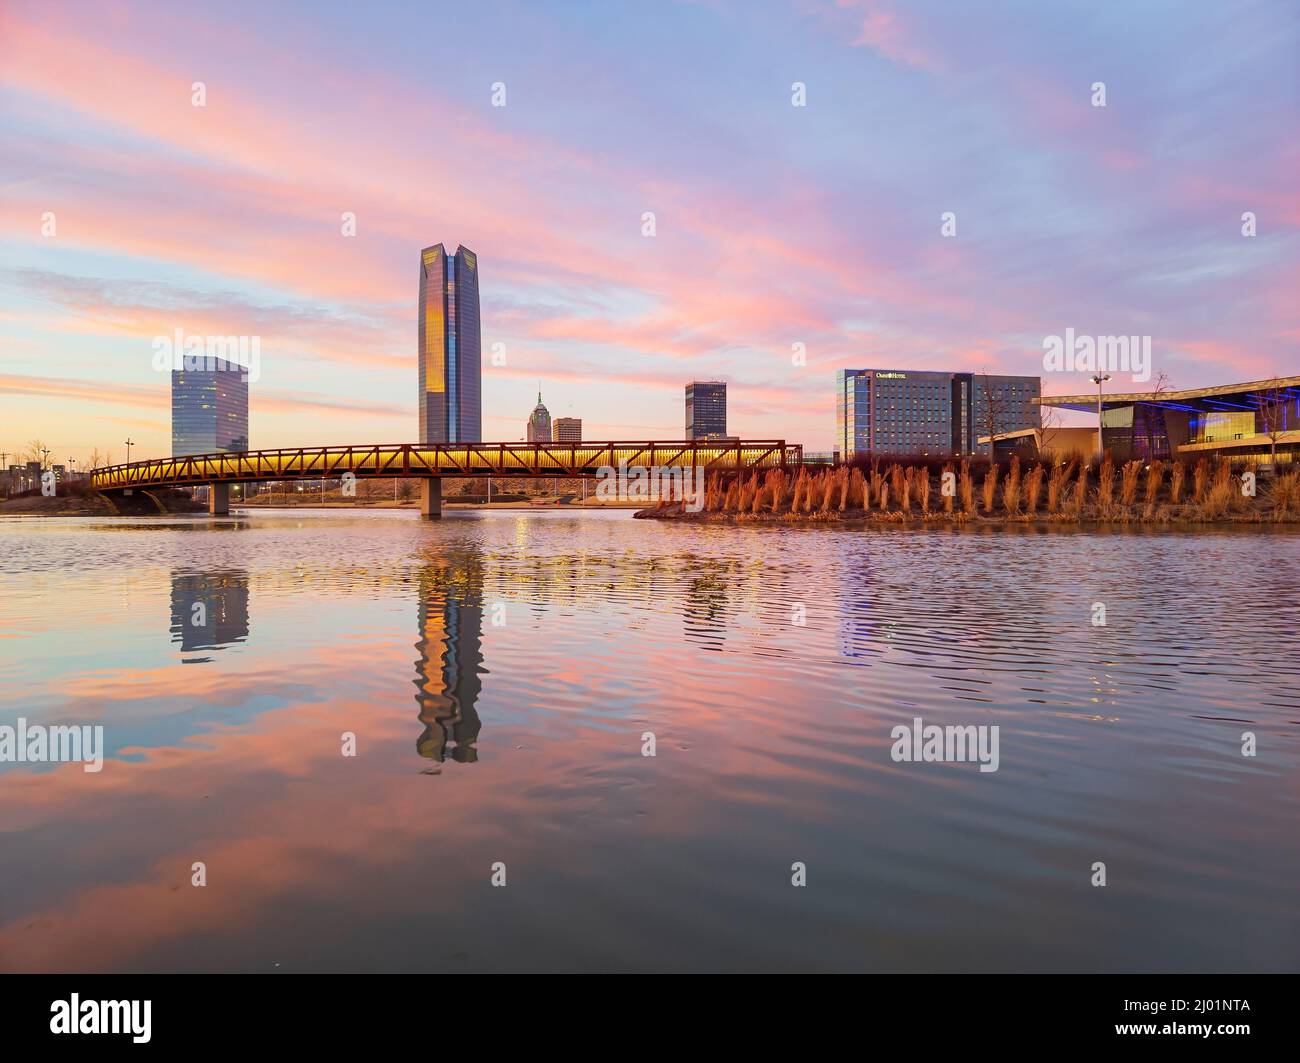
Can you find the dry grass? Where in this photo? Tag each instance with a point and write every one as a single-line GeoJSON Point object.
{"type": "Point", "coordinates": [1106, 484]}
{"type": "Point", "coordinates": [1285, 496]}
{"type": "Point", "coordinates": [1133, 491]}
{"type": "Point", "coordinates": [1155, 477]}
{"type": "Point", "coordinates": [990, 488]}
{"type": "Point", "coordinates": [1056, 485]}
{"type": "Point", "coordinates": [921, 485]}
{"type": "Point", "coordinates": [1080, 492]}
{"type": "Point", "coordinates": [1011, 489]}
{"type": "Point", "coordinates": [1033, 489]}
{"type": "Point", "coordinates": [1128, 487]}
{"type": "Point", "coordinates": [1176, 483]}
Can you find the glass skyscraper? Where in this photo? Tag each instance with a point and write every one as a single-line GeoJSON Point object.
{"type": "Point", "coordinates": [210, 408]}
{"type": "Point", "coordinates": [706, 409]}
{"type": "Point", "coordinates": [451, 372]}
{"type": "Point", "coordinates": [896, 411]}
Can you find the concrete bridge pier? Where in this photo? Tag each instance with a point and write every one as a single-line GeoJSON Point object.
{"type": "Point", "coordinates": [431, 497]}
{"type": "Point", "coordinates": [219, 500]}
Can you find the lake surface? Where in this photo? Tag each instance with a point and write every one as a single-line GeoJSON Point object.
{"type": "Point", "coordinates": [499, 671]}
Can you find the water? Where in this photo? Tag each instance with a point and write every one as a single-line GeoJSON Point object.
{"type": "Point", "coordinates": [499, 671]}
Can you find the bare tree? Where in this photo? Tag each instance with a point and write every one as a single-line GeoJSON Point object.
{"type": "Point", "coordinates": [1273, 410]}
{"type": "Point", "coordinates": [991, 412]}
{"type": "Point", "coordinates": [1148, 415]}
{"type": "Point", "coordinates": [1050, 426]}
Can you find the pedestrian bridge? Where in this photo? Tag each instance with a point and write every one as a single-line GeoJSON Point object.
{"type": "Point", "coordinates": [430, 462]}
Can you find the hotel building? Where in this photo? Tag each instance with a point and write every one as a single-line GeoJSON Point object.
{"type": "Point", "coordinates": [451, 370]}
{"type": "Point", "coordinates": [906, 411]}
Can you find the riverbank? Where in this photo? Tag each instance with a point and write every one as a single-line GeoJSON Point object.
{"type": "Point", "coordinates": [80, 503]}
{"type": "Point", "coordinates": [1158, 493]}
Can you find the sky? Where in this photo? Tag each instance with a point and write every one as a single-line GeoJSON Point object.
{"type": "Point", "coordinates": [788, 241]}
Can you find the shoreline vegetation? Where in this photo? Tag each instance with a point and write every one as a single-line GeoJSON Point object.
{"type": "Point", "coordinates": [1000, 493]}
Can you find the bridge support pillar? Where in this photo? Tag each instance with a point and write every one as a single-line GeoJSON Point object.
{"type": "Point", "coordinates": [431, 497]}
{"type": "Point", "coordinates": [219, 499]}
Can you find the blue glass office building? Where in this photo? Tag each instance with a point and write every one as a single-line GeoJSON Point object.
{"type": "Point", "coordinates": [210, 408]}
{"type": "Point", "coordinates": [451, 373]}
{"type": "Point", "coordinates": [906, 411]}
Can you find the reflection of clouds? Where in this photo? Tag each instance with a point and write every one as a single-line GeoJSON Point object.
{"type": "Point", "coordinates": [209, 609]}
{"type": "Point", "coordinates": [451, 655]}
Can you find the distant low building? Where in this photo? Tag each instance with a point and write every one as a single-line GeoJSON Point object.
{"type": "Point", "coordinates": [1049, 444]}
{"type": "Point", "coordinates": [567, 429]}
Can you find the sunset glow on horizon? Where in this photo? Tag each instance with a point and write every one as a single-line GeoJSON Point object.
{"type": "Point", "coordinates": [128, 212]}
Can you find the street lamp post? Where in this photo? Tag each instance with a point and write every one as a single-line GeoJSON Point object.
{"type": "Point", "coordinates": [1100, 379]}
{"type": "Point", "coordinates": [129, 445]}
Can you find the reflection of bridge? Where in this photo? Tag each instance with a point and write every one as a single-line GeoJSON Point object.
{"type": "Point", "coordinates": [429, 462]}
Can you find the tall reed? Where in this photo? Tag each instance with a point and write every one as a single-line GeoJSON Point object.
{"type": "Point", "coordinates": [1285, 495]}
{"type": "Point", "coordinates": [1056, 485]}
{"type": "Point", "coordinates": [1080, 491]}
{"type": "Point", "coordinates": [990, 486]}
{"type": "Point", "coordinates": [1128, 489]}
{"type": "Point", "coordinates": [1176, 480]}
{"type": "Point", "coordinates": [1155, 477]}
{"type": "Point", "coordinates": [857, 490]}
{"type": "Point", "coordinates": [1033, 489]}
{"type": "Point", "coordinates": [1106, 484]}
{"type": "Point", "coordinates": [1200, 481]}
{"type": "Point", "coordinates": [1011, 489]}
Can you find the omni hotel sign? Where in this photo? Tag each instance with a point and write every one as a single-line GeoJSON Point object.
{"type": "Point", "coordinates": [891, 376]}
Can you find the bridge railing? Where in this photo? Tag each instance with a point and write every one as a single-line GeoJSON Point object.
{"type": "Point", "coordinates": [447, 459]}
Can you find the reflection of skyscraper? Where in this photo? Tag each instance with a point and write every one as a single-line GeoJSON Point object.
{"type": "Point", "coordinates": [451, 655]}
{"type": "Point", "coordinates": [209, 609]}
{"type": "Point", "coordinates": [451, 371]}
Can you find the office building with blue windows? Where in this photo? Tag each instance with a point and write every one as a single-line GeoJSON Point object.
{"type": "Point", "coordinates": [210, 408]}
{"type": "Point", "coordinates": [908, 411]}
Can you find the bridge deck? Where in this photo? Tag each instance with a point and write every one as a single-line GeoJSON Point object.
{"type": "Point", "coordinates": [448, 459]}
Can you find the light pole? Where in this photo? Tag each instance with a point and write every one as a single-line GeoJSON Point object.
{"type": "Point", "coordinates": [129, 445]}
{"type": "Point", "coordinates": [1100, 379]}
